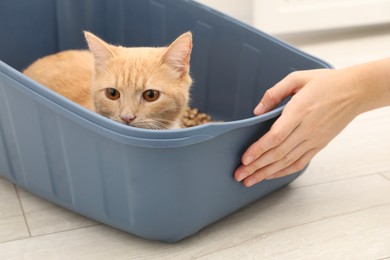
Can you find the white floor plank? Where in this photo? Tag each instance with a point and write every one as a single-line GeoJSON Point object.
{"type": "Point", "coordinates": [291, 207]}
{"type": "Point", "coordinates": [12, 222]}
{"type": "Point", "coordinates": [360, 235]}
{"type": "Point", "coordinates": [44, 217]}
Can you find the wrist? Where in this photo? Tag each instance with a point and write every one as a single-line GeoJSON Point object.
{"type": "Point", "coordinates": [370, 83]}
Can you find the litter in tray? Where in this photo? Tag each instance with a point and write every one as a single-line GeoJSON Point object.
{"type": "Point", "coordinates": [193, 117]}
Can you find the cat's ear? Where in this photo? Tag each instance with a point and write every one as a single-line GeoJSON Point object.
{"type": "Point", "coordinates": [179, 52]}
{"type": "Point", "coordinates": [101, 50]}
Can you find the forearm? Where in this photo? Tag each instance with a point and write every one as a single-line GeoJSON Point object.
{"type": "Point", "coordinates": [372, 81]}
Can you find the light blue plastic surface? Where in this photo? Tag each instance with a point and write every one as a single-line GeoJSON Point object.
{"type": "Point", "coordinates": [162, 185]}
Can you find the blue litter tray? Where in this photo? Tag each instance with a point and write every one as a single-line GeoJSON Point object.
{"type": "Point", "coordinates": [162, 185]}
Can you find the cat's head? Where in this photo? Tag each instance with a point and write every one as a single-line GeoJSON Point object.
{"type": "Point", "coordinates": [143, 87]}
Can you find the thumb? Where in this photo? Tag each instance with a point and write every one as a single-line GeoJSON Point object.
{"type": "Point", "coordinates": [273, 96]}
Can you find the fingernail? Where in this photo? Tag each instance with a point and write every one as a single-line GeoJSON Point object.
{"type": "Point", "coordinates": [259, 109]}
{"type": "Point", "coordinates": [248, 159]}
{"type": "Point", "coordinates": [251, 182]}
{"type": "Point", "coordinates": [242, 176]}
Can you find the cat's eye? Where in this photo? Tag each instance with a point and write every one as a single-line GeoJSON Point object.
{"type": "Point", "coordinates": [112, 93]}
{"type": "Point", "coordinates": [151, 95]}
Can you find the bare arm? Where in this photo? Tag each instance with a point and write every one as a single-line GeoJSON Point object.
{"type": "Point", "coordinates": [323, 103]}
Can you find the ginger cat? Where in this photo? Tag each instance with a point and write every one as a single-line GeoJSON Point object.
{"type": "Point", "coordinates": [143, 87]}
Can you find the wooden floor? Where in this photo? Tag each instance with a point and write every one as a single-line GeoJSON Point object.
{"type": "Point", "coordinates": [339, 209]}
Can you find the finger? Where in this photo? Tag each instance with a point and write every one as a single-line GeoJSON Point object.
{"type": "Point", "coordinates": [270, 157]}
{"type": "Point", "coordinates": [295, 140]}
{"type": "Point", "coordinates": [279, 131]}
{"type": "Point", "coordinates": [275, 163]}
{"type": "Point", "coordinates": [273, 96]}
{"type": "Point", "coordinates": [265, 172]}
{"type": "Point", "coordinates": [297, 166]}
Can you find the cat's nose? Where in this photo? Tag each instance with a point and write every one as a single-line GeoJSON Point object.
{"type": "Point", "coordinates": [127, 119]}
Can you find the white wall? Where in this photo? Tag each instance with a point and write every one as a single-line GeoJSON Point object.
{"type": "Point", "coordinates": [291, 16]}
{"type": "Point", "coordinates": [239, 9]}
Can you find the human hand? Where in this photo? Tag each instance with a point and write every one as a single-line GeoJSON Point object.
{"type": "Point", "coordinates": [323, 103]}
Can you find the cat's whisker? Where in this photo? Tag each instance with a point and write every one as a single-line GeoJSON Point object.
{"type": "Point", "coordinates": [155, 124]}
